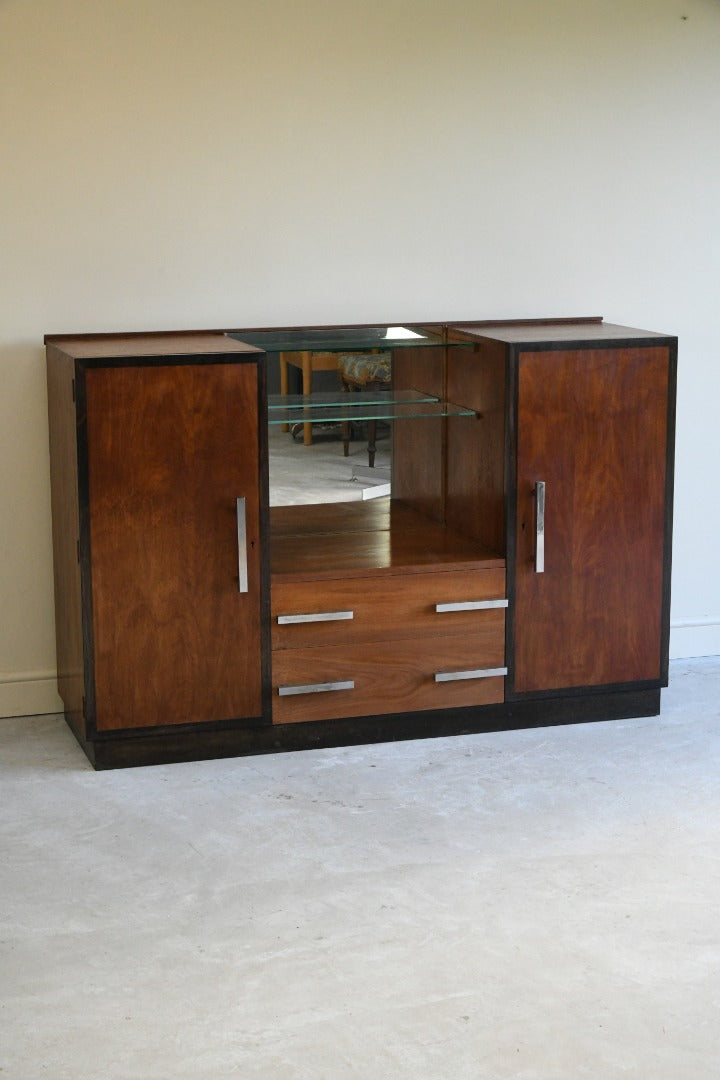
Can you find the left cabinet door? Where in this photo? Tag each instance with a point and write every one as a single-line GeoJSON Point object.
{"type": "Point", "coordinates": [173, 572]}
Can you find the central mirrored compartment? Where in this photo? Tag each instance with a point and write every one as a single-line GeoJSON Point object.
{"type": "Point", "coordinates": [372, 434]}
{"type": "Point", "coordinates": [333, 387]}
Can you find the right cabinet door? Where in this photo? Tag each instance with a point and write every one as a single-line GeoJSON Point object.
{"type": "Point", "coordinates": [592, 427]}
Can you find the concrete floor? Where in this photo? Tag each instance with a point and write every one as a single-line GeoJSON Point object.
{"type": "Point", "coordinates": [536, 904]}
{"type": "Point", "coordinates": [319, 472]}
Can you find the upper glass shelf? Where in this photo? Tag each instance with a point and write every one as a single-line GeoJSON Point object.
{"type": "Point", "coordinates": [338, 338]}
{"type": "Point", "coordinates": [377, 405]}
{"type": "Point", "coordinates": [347, 400]}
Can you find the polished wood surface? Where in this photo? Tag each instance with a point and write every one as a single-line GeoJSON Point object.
{"type": "Point", "coordinates": [418, 448]}
{"type": "Point", "coordinates": [319, 518]}
{"type": "Point", "coordinates": [476, 448]}
{"type": "Point", "coordinates": [170, 448]}
{"type": "Point", "coordinates": [66, 535]}
{"type": "Point", "coordinates": [592, 425]}
{"type": "Point", "coordinates": [590, 330]}
{"type": "Point", "coordinates": [390, 537]}
{"type": "Point", "coordinates": [393, 606]}
{"type": "Point", "coordinates": [394, 676]}
{"type": "Point", "coordinates": [133, 346]}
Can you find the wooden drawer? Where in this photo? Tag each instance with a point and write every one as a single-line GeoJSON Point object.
{"type": "Point", "coordinates": [393, 607]}
{"type": "Point", "coordinates": [388, 677]}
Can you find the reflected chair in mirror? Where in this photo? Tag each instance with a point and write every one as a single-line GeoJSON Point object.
{"type": "Point", "coordinates": [365, 371]}
{"type": "Point", "coordinates": [308, 362]}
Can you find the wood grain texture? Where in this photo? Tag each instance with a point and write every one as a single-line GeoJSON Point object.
{"type": "Point", "coordinates": [65, 533]}
{"type": "Point", "coordinates": [592, 425]}
{"type": "Point", "coordinates": [390, 607]}
{"type": "Point", "coordinates": [170, 449]}
{"type": "Point", "coordinates": [418, 446]}
{"type": "Point", "coordinates": [396, 539]}
{"type": "Point", "coordinates": [133, 346]}
{"type": "Point", "coordinates": [542, 331]}
{"type": "Point", "coordinates": [372, 515]}
{"type": "Point", "coordinates": [397, 678]}
{"type": "Point", "coordinates": [476, 448]}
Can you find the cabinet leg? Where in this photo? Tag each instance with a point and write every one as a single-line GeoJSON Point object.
{"type": "Point", "coordinates": [372, 429]}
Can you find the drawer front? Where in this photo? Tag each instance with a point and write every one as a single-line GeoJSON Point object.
{"type": "Point", "coordinates": [388, 677]}
{"type": "Point", "coordinates": [356, 610]}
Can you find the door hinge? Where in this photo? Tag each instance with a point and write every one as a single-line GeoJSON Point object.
{"type": "Point", "coordinates": [77, 545]}
{"type": "Point", "coordinates": [73, 388]}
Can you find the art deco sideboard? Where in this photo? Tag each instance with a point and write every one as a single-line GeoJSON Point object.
{"type": "Point", "coordinates": [517, 574]}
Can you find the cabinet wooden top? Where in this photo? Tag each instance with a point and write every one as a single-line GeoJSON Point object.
{"type": "Point", "coordinates": [538, 333]}
{"type": "Point", "coordinates": [218, 342]}
{"type": "Point", "coordinates": [117, 346]}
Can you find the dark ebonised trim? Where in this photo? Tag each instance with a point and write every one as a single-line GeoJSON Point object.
{"type": "Point", "coordinates": [85, 549]}
{"type": "Point", "coordinates": [580, 344]}
{"type": "Point", "coordinates": [170, 360]}
{"type": "Point", "coordinates": [263, 539]}
{"type": "Point", "coordinates": [156, 749]}
{"type": "Point", "coordinates": [669, 503]}
{"type": "Point", "coordinates": [511, 453]}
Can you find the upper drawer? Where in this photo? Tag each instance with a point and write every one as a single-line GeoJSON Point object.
{"type": "Point", "coordinates": [355, 610]}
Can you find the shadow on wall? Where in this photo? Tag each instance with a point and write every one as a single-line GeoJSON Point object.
{"type": "Point", "coordinates": [27, 628]}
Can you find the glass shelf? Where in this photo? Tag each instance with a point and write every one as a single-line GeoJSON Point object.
{"type": "Point", "coordinates": [371, 405]}
{"type": "Point", "coordinates": [338, 339]}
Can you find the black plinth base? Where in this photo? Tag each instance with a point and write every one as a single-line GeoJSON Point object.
{"type": "Point", "coordinates": [126, 749]}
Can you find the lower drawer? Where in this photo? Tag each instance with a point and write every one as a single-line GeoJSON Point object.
{"type": "Point", "coordinates": [387, 677]}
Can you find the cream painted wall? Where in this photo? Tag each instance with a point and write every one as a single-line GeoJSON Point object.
{"type": "Point", "coordinates": [191, 163]}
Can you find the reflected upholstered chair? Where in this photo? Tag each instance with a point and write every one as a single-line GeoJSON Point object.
{"type": "Point", "coordinates": [364, 371]}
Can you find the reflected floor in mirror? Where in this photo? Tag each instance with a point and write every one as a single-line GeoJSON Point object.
{"type": "Point", "coordinates": [321, 473]}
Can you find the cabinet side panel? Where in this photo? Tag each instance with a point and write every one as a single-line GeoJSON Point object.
{"type": "Point", "coordinates": [171, 448]}
{"type": "Point", "coordinates": [592, 424]}
{"type": "Point", "coordinates": [418, 468]}
{"type": "Point", "coordinates": [476, 448]}
{"type": "Point", "coordinates": [65, 534]}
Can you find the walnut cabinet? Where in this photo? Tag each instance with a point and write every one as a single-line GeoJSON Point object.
{"type": "Point", "coordinates": [517, 574]}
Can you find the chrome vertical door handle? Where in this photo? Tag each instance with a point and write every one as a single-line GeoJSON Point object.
{"type": "Point", "coordinates": [242, 545]}
{"type": "Point", "coordinates": [540, 527]}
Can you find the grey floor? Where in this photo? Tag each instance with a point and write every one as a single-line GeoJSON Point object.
{"type": "Point", "coordinates": [534, 904]}
{"type": "Point", "coordinates": [320, 472]}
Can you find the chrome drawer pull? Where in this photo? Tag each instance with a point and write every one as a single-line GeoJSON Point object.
{"type": "Point", "coordinates": [540, 527]}
{"type": "Point", "coordinates": [472, 605]}
{"type": "Point", "coordinates": [242, 545]}
{"type": "Point", "coordinates": [316, 688]}
{"type": "Point", "coordinates": [478, 673]}
{"type": "Point", "coordinates": [321, 616]}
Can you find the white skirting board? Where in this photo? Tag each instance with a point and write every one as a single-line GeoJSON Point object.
{"type": "Point", "coordinates": [695, 637]}
{"type": "Point", "coordinates": [29, 693]}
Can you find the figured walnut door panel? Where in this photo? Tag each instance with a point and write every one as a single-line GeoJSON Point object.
{"type": "Point", "coordinates": [170, 449]}
{"type": "Point", "coordinates": [592, 424]}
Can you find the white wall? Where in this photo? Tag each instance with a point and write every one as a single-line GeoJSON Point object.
{"type": "Point", "coordinates": [191, 163]}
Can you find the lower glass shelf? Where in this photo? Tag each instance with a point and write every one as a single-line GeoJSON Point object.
{"type": "Point", "coordinates": [367, 405]}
